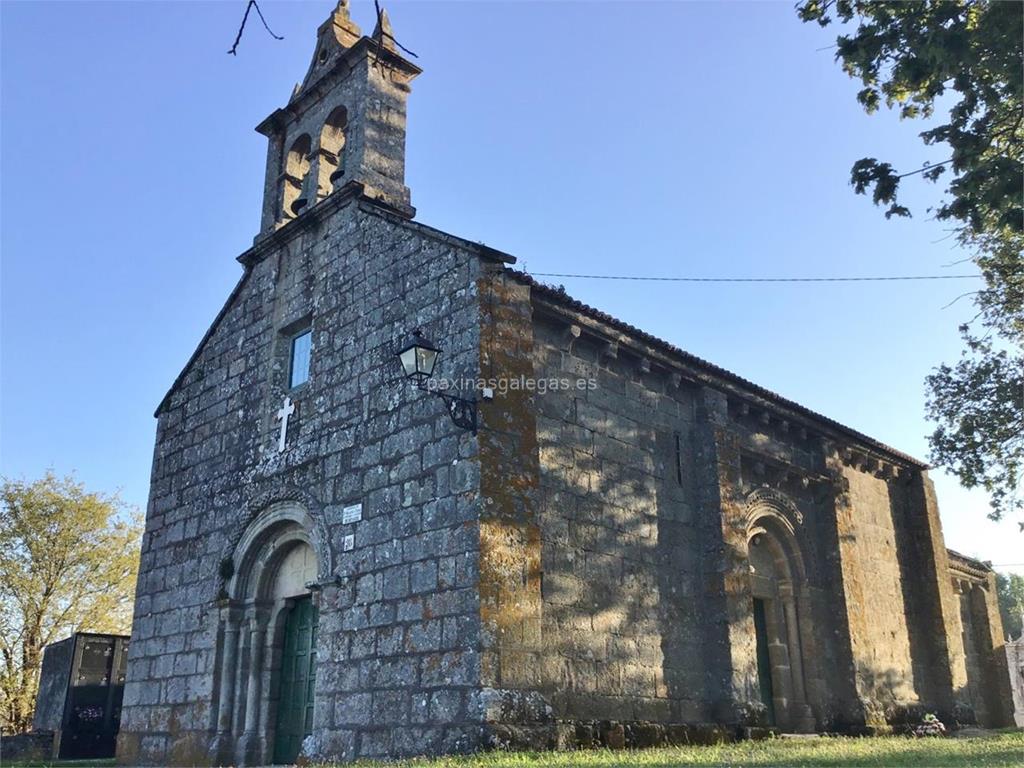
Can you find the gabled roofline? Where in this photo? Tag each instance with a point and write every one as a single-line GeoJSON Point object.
{"type": "Point", "coordinates": [693, 367]}
{"type": "Point", "coordinates": [273, 240]}
{"type": "Point", "coordinates": [202, 342]}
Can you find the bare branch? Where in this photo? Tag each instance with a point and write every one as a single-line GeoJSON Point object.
{"type": "Point", "coordinates": [238, 38]}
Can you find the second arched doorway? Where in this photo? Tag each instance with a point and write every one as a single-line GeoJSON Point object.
{"type": "Point", "coordinates": [779, 611]}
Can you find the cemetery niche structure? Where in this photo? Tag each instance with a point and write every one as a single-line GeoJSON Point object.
{"type": "Point", "coordinates": [81, 686]}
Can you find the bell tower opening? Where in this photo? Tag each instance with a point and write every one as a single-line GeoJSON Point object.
{"type": "Point", "coordinates": [344, 125]}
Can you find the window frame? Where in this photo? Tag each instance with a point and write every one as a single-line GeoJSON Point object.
{"type": "Point", "coordinates": [306, 330]}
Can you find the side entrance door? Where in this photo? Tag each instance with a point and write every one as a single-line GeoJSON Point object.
{"type": "Point", "coordinates": [298, 673]}
{"type": "Point", "coordinates": [764, 662]}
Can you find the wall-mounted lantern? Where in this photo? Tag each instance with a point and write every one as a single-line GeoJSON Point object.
{"type": "Point", "coordinates": [418, 357]}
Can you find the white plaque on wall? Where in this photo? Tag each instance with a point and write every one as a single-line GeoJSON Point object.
{"type": "Point", "coordinates": [348, 543]}
{"type": "Point", "coordinates": [352, 513]}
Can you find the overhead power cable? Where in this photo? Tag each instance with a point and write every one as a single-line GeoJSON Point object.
{"type": "Point", "coordinates": [887, 278]}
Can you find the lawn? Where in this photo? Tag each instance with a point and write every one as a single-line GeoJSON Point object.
{"type": "Point", "coordinates": [982, 751]}
{"type": "Point", "coordinates": [990, 750]}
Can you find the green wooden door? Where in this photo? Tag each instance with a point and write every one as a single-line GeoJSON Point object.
{"type": "Point", "coordinates": [764, 663]}
{"type": "Point", "coordinates": [298, 672]}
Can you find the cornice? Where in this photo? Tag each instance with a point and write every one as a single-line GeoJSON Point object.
{"type": "Point", "coordinates": [672, 360]}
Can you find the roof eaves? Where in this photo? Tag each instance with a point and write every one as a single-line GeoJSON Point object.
{"type": "Point", "coordinates": [559, 295]}
{"type": "Point", "coordinates": [966, 563]}
{"type": "Point", "coordinates": [484, 251]}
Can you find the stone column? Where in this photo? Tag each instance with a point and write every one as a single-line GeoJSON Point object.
{"type": "Point", "coordinates": [272, 196]}
{"type": "Point", "coordinates": [311, 184]}
{"type": "Point", "coordinates": [252, 743]}
{"type": "Point", "coordinates": [230, 627]}
{"type": "Point", "coordinates": [793, 641]}
{"type": "Point", "coordinates": [803, 718]}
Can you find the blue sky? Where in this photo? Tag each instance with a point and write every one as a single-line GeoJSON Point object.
{"type": "Point", "coordinates": [685, 138]}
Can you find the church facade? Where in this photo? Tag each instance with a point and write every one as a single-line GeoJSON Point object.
{"type": "Point", "coordinates": [624, 545]}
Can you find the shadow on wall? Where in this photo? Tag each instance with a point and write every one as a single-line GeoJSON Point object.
{"type": "Point", "coordinates": [620, 613]}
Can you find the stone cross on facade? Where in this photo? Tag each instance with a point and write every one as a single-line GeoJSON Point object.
{"type": "Point", "coordinates": [286, 410]}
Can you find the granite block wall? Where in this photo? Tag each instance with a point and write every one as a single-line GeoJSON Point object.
{"type": "Point", "coordinates": [620, 556]}
{"type": "Point", "coordinates": [398, 667]}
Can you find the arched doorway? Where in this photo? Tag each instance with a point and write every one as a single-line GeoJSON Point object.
{"type": "Point", "coordinates": [267, 640]}
{"type": "Point", "coordinates": [776, 581]}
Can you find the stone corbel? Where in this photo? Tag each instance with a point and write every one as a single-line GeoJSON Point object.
{"type": "Point", "coordinates": [570, 335]}
{"type": "Point", "coordinates": [644, 365]}
{"type": "Point", "coordinates": [610, 351]}
{"type": "Point", "coordinates": [676, 379]}
{"type": "Point", "coordinates": [318, 585]}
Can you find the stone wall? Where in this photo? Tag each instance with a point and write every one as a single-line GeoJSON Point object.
{"type": "Point", "coordinates": [621, 610]}
{"type": "Point", "coordinates": [1014, 654]}
{"type": "Point", "coordinates": [986, 695]}
{"type": "Point", "coordinates": [398, 667]}
{"type": "Point", "coordinates": [648, 485]}
{"type": "Point", "coordinates": [879, 634]}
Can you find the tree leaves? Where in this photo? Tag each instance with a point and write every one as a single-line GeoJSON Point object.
{"type": "Point", "coordinates": [68, 562]}
{"type": "Point", "coordinates": [979, 407]}
{"type": "Point", "coordinates": [971, 54]}
{"type": "Point", "coordinates": [1010, 597]}
{"type": "Point", "coordinates": [910, 54]}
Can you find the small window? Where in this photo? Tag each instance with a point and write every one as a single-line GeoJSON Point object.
{"type": "Point", "coordinates": [301, 347]}
{"type": "Point", "coordinates": [679, 459]}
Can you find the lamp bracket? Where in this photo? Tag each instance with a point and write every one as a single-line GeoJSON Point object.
{"type": "Point", "coordinates": [462, 410]}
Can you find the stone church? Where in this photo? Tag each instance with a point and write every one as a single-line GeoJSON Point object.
{"type": "Point", "coordinates": [599, 540]}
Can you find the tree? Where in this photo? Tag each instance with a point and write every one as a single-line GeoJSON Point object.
{"type": "Point", "coordinates": [967, 55]}
{"type": "Point", "coordinates": [1010, 595]}
{"type": "Point", "coordinates": [68, 561]}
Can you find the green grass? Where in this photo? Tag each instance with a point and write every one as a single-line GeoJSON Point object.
{"type": "Point", "coordinates": [982, 751]}
{"type": "Point", "coordinates": [60, 764]}
{"type": "Point", "coordinates": [991, 750]}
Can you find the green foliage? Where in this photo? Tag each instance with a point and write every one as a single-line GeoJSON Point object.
{"type": "Point", "coordinates": [967, 56]}
{"type": "Point", "coordinates": [1010, 595]}
{"type": "Point", "coordinates": [68, 561]}
{"type": "Point", "coordinates": [908, 55]}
